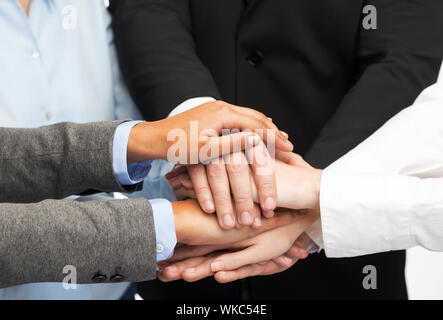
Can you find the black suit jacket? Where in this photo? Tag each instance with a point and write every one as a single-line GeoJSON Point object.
{"type": "Point", "coordinates": [312, 67]}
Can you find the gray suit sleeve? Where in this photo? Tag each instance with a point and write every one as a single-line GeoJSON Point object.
{"type": "Point", "coordinates": [105, 241]}
{"type": "Point", "coordinates": [56, 161]}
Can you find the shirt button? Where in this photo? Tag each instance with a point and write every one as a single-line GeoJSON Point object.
{"type": "Point", "coordinates": [48, 115]}
{"type": "Point", "coordinates": [36, 55]}
{"type": "Point", "coordinates": [255, 59]}
{"type": "Point", "coordinates": [160, 248]}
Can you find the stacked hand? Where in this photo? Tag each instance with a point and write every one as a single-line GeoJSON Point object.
{"type": "Point", "coordinates": [226, 175]}
{"type": "Point", "coordinates": [267, 253]}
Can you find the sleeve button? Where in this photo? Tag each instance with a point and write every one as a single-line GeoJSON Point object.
{"type": "Point", "coordinates": [117, 278]}
{"type": "Point", "coordinates": [98, 278]}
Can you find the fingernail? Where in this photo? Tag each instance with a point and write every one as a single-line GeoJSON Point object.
{"type": "Point", "coordinates": [268, 214]}
{"type": "Point", "coordinates": [228, 221]}
{"type": "Point", "coordinates": [289, 144]}
{"type": "Point", "coordinates": [190, 270]}
{"type": "Point", "coordinates": [246, 218]}
{"type": "Point", "coordinates": [217, 266]}
{"type": "Point", "coordinates": [209, 206]}
{"type": "Point", "coordinates": [287, 260]}
{"type": "Point", "coordinates": [270, 119]}
{"type": "Point", "coordinates": [284, 134]}
{"type": "Point", "coordinates": [253, 140]}
{"type": "Point", "coordinates": [269, 204]}
{"type": "Point", "coordinates": [257, 222]}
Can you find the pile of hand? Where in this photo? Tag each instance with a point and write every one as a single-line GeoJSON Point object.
{"type": "Point", "coordinates": [233, 224]}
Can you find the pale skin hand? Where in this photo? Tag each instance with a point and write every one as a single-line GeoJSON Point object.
{"type": "Point", "coordinates": [215, 182]}
{"type": "Point", "coordinates": [187, 260]}
{"type": "Point", "coordinates": [149, 140]}
{"type": "Point", "coordinates": [260, 255]}
{"type": "Point", "coordinates": [298, 184]}
{"type": "Point", "coordinates": [304, 195]}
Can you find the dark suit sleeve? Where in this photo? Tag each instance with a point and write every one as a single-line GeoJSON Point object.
{"type": "Point", "coordinates": [397, 62]}
{"type": "Point", "coordinates": [156, 49]}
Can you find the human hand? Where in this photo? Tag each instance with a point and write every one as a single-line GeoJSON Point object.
{"type": "Point", "coordinates": [196, 134]}
{"type": "Point", "coordinates": [298, 184]}
{"type": "Point", "coordinates": [194, 227]}
{"type": "Point", "coordinates": [215, 182]}
{"type": "Point", "coordinates": [270, 252]}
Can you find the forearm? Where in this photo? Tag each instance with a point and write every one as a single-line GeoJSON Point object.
{"type": "Point", "coordinates": [369, 213]}
{"type": "Point", "coordinates": [108, 238]}
{"type": "Point", "coordinates": [56, 161]}
{"type": "Point", "coordinates": [297, 188]}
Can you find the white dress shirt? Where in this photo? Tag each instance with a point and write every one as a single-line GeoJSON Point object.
{"type": "Point", "coordinates": [387, 193]}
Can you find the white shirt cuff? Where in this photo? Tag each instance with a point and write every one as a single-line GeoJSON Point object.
{"type": "Point", "coordinates": [190, 104]}
{"type": "Point", "coordinates": [364, 213]}
{"type": "Point", "coordinates": [315, 233]}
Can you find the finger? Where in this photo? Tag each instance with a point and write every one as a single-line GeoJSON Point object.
{"type": "Point", "coordinates": [201, 271]}
{"type": "Point", "coordinates": [296, 252]}
{"type": "Point", "coordinates": [303, 241]}
{"type": "Point", "coordinates": [182, 180]}
{"type": "Point", "coordinates": [199, 180]}
{"type": "Point", "coordinates": [178, 170]}
{"type": "Point", "coordinates": [239, 180]}
{"type": "Point", "coordinates": [270, 133]}
{"type": "Point", "coordinates": [235, 260]}
{"type": "Point", "coordinates": [219, 184]}
{"type": "Point", "coordinates": [282, 218]}
{"type": "Point", "coordinates": [192, 251]}
{"type": "Point", "coordinates": [263, 171]}
{"type": "Point", "coordinates": [173, 272]}
{"type": "Point", "coordinates": [248, 271]}
{"type": "Point", "coordinates": [184, 193]}
{"type": "Point", "coordinates": [292, 159]}
{"type": "Point", "coordinates": [285, 261]}
{"type": "Point", "coordinates": [211, 148]}
{"type": "Point", "coordinates": [256, 215]}
{"type": "Point", "coordinates": [268, 123]}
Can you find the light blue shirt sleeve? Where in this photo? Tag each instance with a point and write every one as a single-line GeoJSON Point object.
{"type": "Point", "coordinates": [135, 172]}
{"type": "Point", "coordinates": [164, 228]}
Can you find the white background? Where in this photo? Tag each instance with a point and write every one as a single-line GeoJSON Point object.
{"type": "Point", "coordinates": [424, 274]}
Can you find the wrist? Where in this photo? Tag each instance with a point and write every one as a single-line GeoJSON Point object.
{"type": "Point", "coordinates": [145, 143]}
{"type": "Point", "coordinates": [315, 190]}
{"type": "Point", "coordinates": [298, 187]}
{"type": "Point", "coordinates": [180, 210]}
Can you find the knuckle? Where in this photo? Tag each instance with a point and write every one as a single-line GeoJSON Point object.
{"type": "Point", "coordinates": [193, 169]}
{"type": "Point", "coordinates": [266, 186]}
{"type": "Point", "coordinates": [222, 106]}
{"type": "Point", "coordinates": [216, 170]}
{"type": "Point", "coordinates": [202, 190]}
{"type": "Point", "coordinates": [285, 263]}
{"type": "Point", "coordinates": [243, 200]}
{"type": "Point", "coordinates": [237, 168]}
